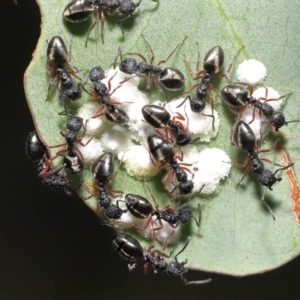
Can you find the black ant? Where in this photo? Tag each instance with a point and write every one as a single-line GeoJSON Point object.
{"type": "Point", "coordinates": [37, 152]}
{"type": "Point", "coordinates": [159, 117]}
{"type": "Point", "coordinates": [102, 170]}
{"type": "Point", "coordinates": [81, 10]}
{"type": "Point", "coordinates": [165, 153]}
{"type": "Point", "coordinates": [58, 59]}
{"type": "Point", "coordinates": [72, 91]}
{"type": "Point", "coordinates": [244, 138]}
{"type": "Point", "coordinates": [73, 159]}
{"type": "Point", "coordinates": [102, 92]}
{"type": "Point", "coordinates": [169, 78]}
{"type": "Point", "coordinates": [212, 64]}
{"type": "Point", "coordinates": [141, 208]}
{"type": "Point", "coordinates": [131, 250]}
{"type": "Point", "coordinates": [236, 96]}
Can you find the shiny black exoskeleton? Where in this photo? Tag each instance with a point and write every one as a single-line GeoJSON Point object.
{"type": "Point", "coordinates": [165, 153]}
{"type": "Point", "coordinates": [57, 52]}
{"type": "Point", "coordinates": [37, 152]}
{"type": "Point", "coordinates": [78, 10]}
{"type": "Point", "coordinates": [141, 208]}
{"type": "Point", "coordinates": [244, 138]}
{"type": "Point", "coordinates": [170, 79]}
{"type": "Point", "coordinates": [212, 64]}
{"type": "Point", "coordinates": [128, 248]}
{"type": "Point", "coordinates": [81, 10]}
{"type": "Point", "coordinates": [58, 59]}
{"type": "Point", "coordinates": [35, 149]}
{"type": "Point", "coordinates": [102, 170]}
{"type": "Point", "coordinates": [131, 250]}
{"type": "Point", "coordinates": [159, 117]}
{"type": "Point", "coordinates": [237, 97]}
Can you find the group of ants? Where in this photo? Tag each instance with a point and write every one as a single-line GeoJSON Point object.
{"type": "Point", "coordinates": [162, 146]}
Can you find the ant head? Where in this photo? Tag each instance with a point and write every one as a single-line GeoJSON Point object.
{"type": "Point", "coordinates": [197, 105]}
{"type": "Point", "coordinates": [185, 213]}
{"type": "Point", "coordinates": [128, 66]}
{"type": "Point", "coordinates": [267, 178]}
{"type": "Point", "coordinates": [186, 187]}
{"type": "Point", "coordinates": [96, 74]}
{"type": "Point", "coordinates": [75, 124]}
{"type": "Point", "coordinates": [100, 88]}
{"type": "Point", "coordinates": [278, 120]}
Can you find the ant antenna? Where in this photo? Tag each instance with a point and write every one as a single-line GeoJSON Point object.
{"type": "Point", "coordinates": [200, 214]}
{"type": "Point", "coordinates": [283, 168]}
{"type": "Point", "coordinates": [183, 263]}
{"type": "Point", "coordinates": [267, 205]}
{"type": "Point", "coordinates": [186, 244]}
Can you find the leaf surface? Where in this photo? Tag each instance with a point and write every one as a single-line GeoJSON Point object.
{"type": "Point", "coordinates": [237, 235]}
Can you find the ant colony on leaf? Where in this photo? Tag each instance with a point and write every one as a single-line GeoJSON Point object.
{"type": "Point", "coordinates": [129, 144]}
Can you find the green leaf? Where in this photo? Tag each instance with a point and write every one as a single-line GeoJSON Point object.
{"type": "Point", "coordinates": [237, 235]}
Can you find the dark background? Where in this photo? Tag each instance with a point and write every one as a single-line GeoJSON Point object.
{"type": "Point", "coordinates": [53, 246]}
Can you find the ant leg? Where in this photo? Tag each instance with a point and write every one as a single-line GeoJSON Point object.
{"type": "Point", "coordinates": [98, 112]}
{"type": "Point", "coordinates": [95, 195]}
{"type": "Point", "coordinates": [121, 21]}
{"type": "Point", "coordinates": [167, 175]}
{"type": "Point", "coordinates": [189, 66]}
{"type": "Point", "coordinates": [138, 54]}
{"type": "Point", "coordinates": [52, 82]}
{"type": "Point", "coordinates": [179, 117]}
{"type": "Point", "coordinates": [170, 55]}
{"type": "Point", "coordinates": [200, 214]}
{"type": "Point", "coordinates": [152, 195]}
{"type": "Point", "coordinates": [92, 26]}
{"type": "Point", "coordinates": [166, 242]}
{"type": "Point", "coordinates": [179, 157]}
{"type": "Point", "coordinates": [198, 58]}
{"type": "Point", "coordinates": [102, 17]}
{"type": "Point", "coordinates": [153, 230]}
{"type": "Point", "coordinates": [149, 80]}
{"type": "Point", "coordinates": [50, 172]}
{"type": "Point", "coordinates": [189, 90]}
{"type": "Point", "coordinates": [232, 63]}
{"type": "Point", "coordinates": [159, 87]}
{"type": "Point", "coordinates": [150, 49]}
{"type": "Point", "coordinates": [70, 51]}
{"type": "Point", "coordinates": [113, 192]}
